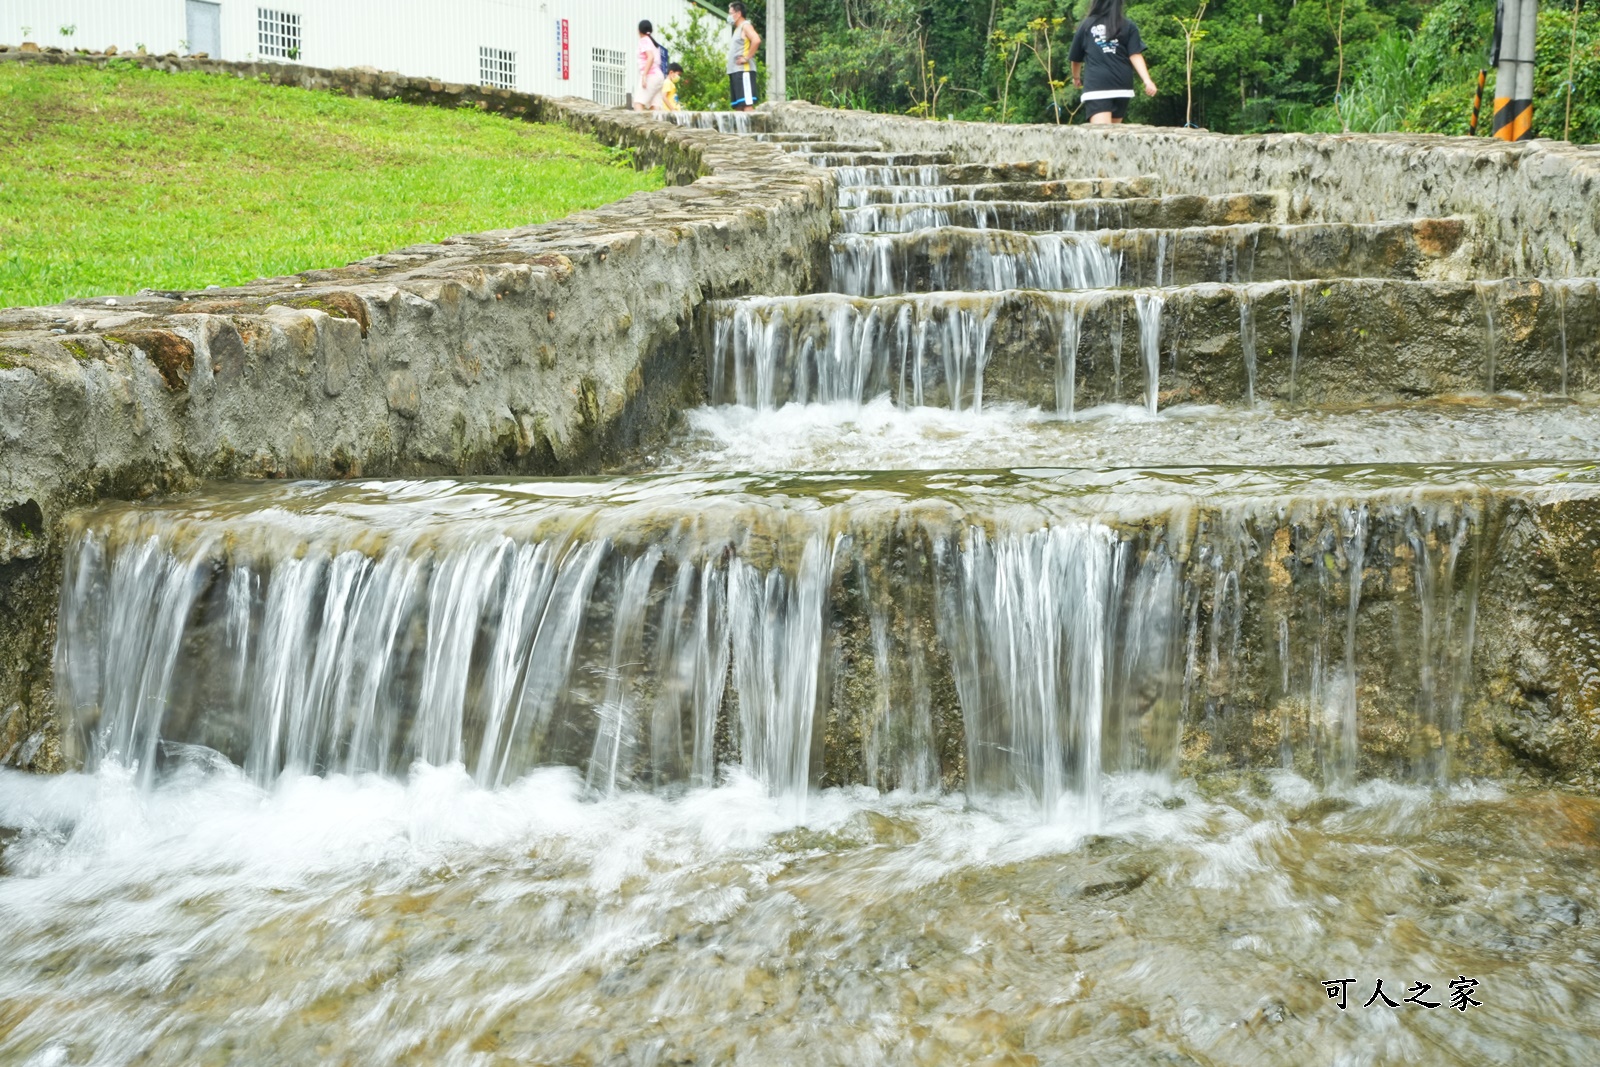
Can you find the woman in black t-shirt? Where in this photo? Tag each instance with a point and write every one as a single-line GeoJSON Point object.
{"type": "Point", "coordinates": [1106, 51]}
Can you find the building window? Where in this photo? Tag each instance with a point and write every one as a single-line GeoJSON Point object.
{"type": "Point", "coordinates": [277, 34]}
{"type": "Point", "coordinates": [497, 68]}
{"type": "Point", "coordinates": [610, 76]}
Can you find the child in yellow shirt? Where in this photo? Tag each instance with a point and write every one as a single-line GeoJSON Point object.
{"type": "Point", "coordinates": [669, 90]}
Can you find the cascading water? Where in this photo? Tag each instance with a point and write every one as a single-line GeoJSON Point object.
{"type": "Point", "coordinates": [848, 759]}
{"type": "Point", "coordinates": [1036, 608]}
{"type": "Point", "coordinates": [1561, 311]}
{"type": "Point", "coordinates": [912, 347]}
{"type": "Point", "coordinates": [1297, 326]}
{"type": "Point", "coordinates": [1491, 338]}
{"type": "Point", "coordinates": [920, 175]}
{"type": "Point", "coordinates": [1247, 343]}
{"type": "Point", "coordinates": [1148, 307]}
{"type": "Point", "coordinates": [621, 629]}
{"type": "Point", "coordinates": [1070, 319]}
{"type": "Point", "coordinates": [955, 259]}
{"type": "Point", "coordinates": [1032, 216]}
{"type": "Point", "coordinates": [857, 196]}
{"type": "Point", "coordinates": [1117, 323]}
{"type": "Point", "coordinates": [721, 121]}
{"type": "Point", "coordinates": [771, 351]}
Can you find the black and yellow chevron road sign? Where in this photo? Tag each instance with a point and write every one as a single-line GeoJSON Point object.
{"type": "Point", "coordinates": [1513, 119]}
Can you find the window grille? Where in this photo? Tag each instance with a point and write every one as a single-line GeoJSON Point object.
{"type": "Point", "coordinates": [277, 34]}
{"type": "Point", "coordinates": [497, 68]}
{"type": "Point", "coordinates": [610, 76]}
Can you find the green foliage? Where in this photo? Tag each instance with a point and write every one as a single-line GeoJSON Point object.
{"type": "Point", "coordinates": [867, 52]}
{"type": "Point", "coordinates": [698, 45]}
{"type": "Point", "coordinates": [1400, 81]}
{"type": "Point", "coordinates": [1032, 41]}
{"type": "Point", "coordinates": [1263, 64]}
{"type": "Point", "coordinates": [1550, 86]}
{"type": "Point", "coordinates": [1193, 34]}
{"type": "Point", "coordinates": [1032, 53]}
{"type": "Point", "coordinates": [120, 179]}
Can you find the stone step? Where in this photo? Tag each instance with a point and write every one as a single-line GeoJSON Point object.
{"type": "Point", "coordinates": [879, 159]}
{"type": "Point", "coordinates": [1167, 212]}
{"type": "Point", "coordinates": [1056, 190]}
{"type": "Point", "coordinates": [1306, 343]}
{"type": "Point", "coordinates": [950, 258]}
{"type": "Point", "coordinates": [901, 628]}
{"type": "Point", "coordinates": [840, 147]}
{"type": "Point", "coordinates": [791, 137]}
{"type": "Point", "coordinates": [944, 174]}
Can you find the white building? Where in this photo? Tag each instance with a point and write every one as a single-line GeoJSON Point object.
{"type": "Point", "coordinates": [554, 47]}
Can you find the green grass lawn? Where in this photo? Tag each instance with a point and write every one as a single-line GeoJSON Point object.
{"type": "Point", "coordinates": [116, 180]}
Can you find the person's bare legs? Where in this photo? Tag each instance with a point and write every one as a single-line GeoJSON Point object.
{"type": "Point", "coordinates": [1102, 118]}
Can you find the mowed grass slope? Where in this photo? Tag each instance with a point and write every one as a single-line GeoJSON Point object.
{"type": "Point", "coordinates": [117, 180]}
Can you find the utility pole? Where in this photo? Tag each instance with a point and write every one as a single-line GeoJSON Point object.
{"type": "Point", "coordinates": [777, 68]}
{"type": "Point", "coordinates": [1516, 28]}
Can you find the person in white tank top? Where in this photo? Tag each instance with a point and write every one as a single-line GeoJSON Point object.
{"type": "Point", "coordinates": [743, 42]}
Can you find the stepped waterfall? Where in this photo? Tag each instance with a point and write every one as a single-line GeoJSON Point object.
{"type": "Point", "coordinates": [1079, 630]}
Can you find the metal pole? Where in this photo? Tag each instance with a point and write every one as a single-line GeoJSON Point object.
{"type": "Point", "coordinates": [1522, 124]}
{"type": "Point", "coordinates": [1477, 104]}
{"type": "Point", "coordinates": [777, 68]}
{"type": "Point", "coordinates": [1508, 22]}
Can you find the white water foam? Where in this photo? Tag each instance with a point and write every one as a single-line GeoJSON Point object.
{"type": "Point", "coordinates": [880, 436]}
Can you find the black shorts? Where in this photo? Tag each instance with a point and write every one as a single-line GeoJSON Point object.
{"type": "Point", "coordinates": [742, 88]}
{"type": "Point", "coordinates": [1117, 105]}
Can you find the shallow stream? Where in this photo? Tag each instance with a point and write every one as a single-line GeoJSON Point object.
{"type": "Point", "coordinates": [368, 920]}
{"type": "Point", "coordinates": [859, 733]}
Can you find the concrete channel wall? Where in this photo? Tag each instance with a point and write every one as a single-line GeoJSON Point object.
{"type": "Point", "coordinates": [543, 349]}
{"type": "Point", "coordinates": [1533, 203]}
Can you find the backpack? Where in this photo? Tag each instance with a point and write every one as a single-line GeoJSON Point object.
{"type": "Point", "coordinates": [666, 57]}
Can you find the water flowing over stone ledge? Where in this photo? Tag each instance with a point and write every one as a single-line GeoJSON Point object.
{"type": "Point", "coordinates": [1531, 202]}
{"type": "Point", "coordinates": [1338, 341]}
{"type": "Point", "coordinates": [540, 349]}
{"type": "Point", "coordinates": [548, 349]}
{"type": "Point", "coordinates": [904, 630]}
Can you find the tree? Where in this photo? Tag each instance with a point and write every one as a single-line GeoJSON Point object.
{"type": "Point", "coordinates": [926, 102]}
{"type": "Point", "coordinates": [695, 46]}
{"type": "Point", "coordinates": [1338, 41]}
{"type": "Point", "coordinates": [1008, 49]}
{"type": "Point", "coordinates": [1192, 33]}
{"type": "Point", "coordinates": [1041, 42]}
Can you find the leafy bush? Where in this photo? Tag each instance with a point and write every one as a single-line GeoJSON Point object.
{"type": "Point", "coordinates": [1310, 65]}
{"type": "Point", "coordinates": [697, 45]}
{"type": "Point", "coordinates": [872, 56]}
{"type": "Point", "coordinates": [1550, 89]}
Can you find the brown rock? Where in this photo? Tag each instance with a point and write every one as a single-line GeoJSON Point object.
{"type": "Point", "coordinates": [29, 46]}
{"type": "Point", "coordinates": [173, 354]}
{"type": "Point", "coordinates": [1439, 237]}
{"type": "Point", "coordinates": [111, 49]}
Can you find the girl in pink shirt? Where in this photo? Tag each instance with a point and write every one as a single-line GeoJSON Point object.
{"type": "Point", "coordinates": [647, 94]}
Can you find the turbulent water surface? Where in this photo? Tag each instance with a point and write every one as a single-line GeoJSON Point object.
{"type": "Point", "coordinates": [366, 920]}
{"type": "Point", "coordinates": [878, 435]}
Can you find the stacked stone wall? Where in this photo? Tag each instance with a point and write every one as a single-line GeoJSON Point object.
{"type": "Point", "coordinates": [542, 350]}
{"type": "Point", "coordinates": [1532, 203]}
